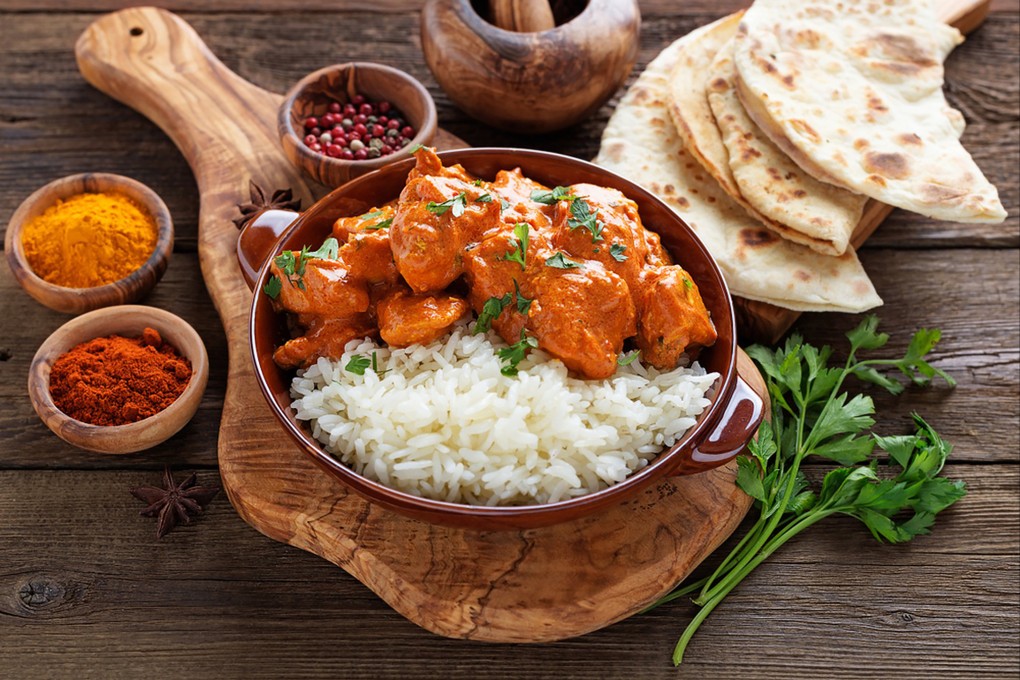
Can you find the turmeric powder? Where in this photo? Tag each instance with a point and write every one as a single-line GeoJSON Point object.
{"type": "Point", "coordinates": [89, 240]}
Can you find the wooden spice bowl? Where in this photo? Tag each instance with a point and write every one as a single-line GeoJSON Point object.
{"type": "Point", "coordinates": [128, 321]}
{"type": "Point", "coordinates": [339, 83]}
{"type": "Point", "coordinates": [131, 288]}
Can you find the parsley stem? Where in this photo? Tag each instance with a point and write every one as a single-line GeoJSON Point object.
{"type": "Point", "coordinates": [737, 553]}
{"type": "Point", "coordinates": [676, 594]}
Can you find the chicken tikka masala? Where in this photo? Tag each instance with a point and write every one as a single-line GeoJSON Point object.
{"type": "Point", "coordinates": [570, 270]}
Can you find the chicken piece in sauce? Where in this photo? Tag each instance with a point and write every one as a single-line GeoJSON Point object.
{"type": "Point", "coordinates": [673, 317]}
{"type": "Point", "coordinates": [435, 220]}
{"type": "Point", "coordinates": [406, 319]}
{"type": "Point", "coordinates": [581, 313]}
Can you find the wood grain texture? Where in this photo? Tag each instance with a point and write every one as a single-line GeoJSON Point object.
{"type": "Point", "coordinates": [42, 83]}
{"type": "Point", "coordinates": [506, 586]}
{"type": "Point", "coordinates": [128, 321]}
{"type": "Point", "coordinates": [96, 593]}
{"type": "Point", "coordinates": [129, 289]}
{"type": "Point", "coordinates": [648, 7]}
{"type": "Point", "coordinates": [112, 602]}
{"type": "Point", "coordinates": [542, 81]}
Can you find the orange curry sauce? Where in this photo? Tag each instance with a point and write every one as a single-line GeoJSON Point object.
{"type": "Point", "coordinates": [411, 279]}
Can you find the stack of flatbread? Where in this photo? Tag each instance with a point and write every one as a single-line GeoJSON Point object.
{"type": "Point", "coordinates": [768, 132]}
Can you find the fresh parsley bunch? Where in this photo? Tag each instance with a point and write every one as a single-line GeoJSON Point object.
{"type": "Point", "coordinates": [812, 416]}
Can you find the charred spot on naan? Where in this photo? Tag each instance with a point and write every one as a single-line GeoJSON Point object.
{"type": "Point", "coordinates": [757, 238]}
{"type": "Point", "coordinates": [909, 139]}
{"type": "Point", "coordinates": [805, 130]}
{"type": "Point", "coordinates": [938, 193]}
{"type": "Point", "coordinates": [899, 54]}
{"type": "Point", "coordinates": [890, 165]}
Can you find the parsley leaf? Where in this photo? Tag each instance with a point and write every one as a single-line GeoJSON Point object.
{"type": "Point", "coordinates": [628, 359]}
{"type": "Point", "coordinates": [294, 267]}
{"type": "Point", "coordinates": [812, 416]}
{"type": "Point", "coordinates": [515, 353]}
{"type": "Point", "coordinates": [583, 216]}
{"type": "Point", "coordinates": [385, 224]}
{"type": "Point", "coordinates": [492, 308]}
{"type": "Point", "coordinates": [358, 364]}
{"type": "Point", "coordinates": [273, 287]}
{"type": "Point", "coordinates": [617, 250]}
{"type": "Point", "coordinates": [484, 198]}
{"type": "Point", "coordinates": [561, 261]}
{"type": "Point", "coordinates": [371, 215]}
{"type": "Point", "coordinates": [550, 197]}
{"type": "Point", "coordinates": [523, 303]}
{"type": "Point", "coordinates": [457, 203]}
{"type": "Point", "coordinates": [520, 251]}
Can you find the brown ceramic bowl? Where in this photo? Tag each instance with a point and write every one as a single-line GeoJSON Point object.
{"type": "Point", "coordinates": [132, 287]}
{"type": "Point", "coordinates": [720, 433]}
{"type": "Point", "coordinates": [315, 92]}
{"type": "Point", "coordinates": [129, 321]}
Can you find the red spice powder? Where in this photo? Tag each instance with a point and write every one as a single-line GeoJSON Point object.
{"type": "Point", "coordinates": [117, 380]}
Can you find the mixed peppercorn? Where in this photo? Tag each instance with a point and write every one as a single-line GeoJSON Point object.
{"type": "Point", "coordinates": [358, 130]}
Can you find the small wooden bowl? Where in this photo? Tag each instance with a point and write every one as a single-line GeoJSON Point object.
{"type": "Point", "coordinates": [339, 83]}
{"type": "Point", "coordinates": [530, 82]}
{"type": "Point", "coordinates": [129, 321]}
{"type": "Point", "coordinates": [131, 288]}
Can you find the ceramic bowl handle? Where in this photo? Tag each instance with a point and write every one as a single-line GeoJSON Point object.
{"type": "Point", "coordinates": [735, 428]}
{"type": "Point", "coordinates": [258, 240]}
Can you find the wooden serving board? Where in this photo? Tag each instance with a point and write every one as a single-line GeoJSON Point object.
{"type": "Point", "coordinates": [525, 586]}
{"type": "Point", "coordinates": [762, 322]}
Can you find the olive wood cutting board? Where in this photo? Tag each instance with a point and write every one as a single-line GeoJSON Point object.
{"type": "Point", "coordinates": [515, 586]}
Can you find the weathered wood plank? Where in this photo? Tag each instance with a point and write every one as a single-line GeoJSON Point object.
{"type": "Point", "coordinates": [649, 8]}
{"type": "Point", "coordinates": [976, 303]}
{"type": "Point", "coordinates": [112, 600]}
{"type": "Point", "coordinates": [52, 123]}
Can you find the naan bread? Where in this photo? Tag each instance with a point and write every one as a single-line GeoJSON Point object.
{"type": "Point", "coordinates": [852, 91]}
{"type": "Point", "coordinates": [640, 142]}
{"type": "Point", "coordinates": [691, 89]}
{"type": "Point", "coordinates": [821, 215]}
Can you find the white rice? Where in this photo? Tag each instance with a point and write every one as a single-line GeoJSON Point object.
{"type": "Point", "coordinates": [442, 422]}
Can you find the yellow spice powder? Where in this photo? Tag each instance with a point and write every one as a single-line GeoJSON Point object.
{"type": "Point", "coordinates": [89, 240]}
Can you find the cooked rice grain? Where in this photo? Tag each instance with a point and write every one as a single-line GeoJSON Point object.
{"type": "Point", "coordinates": [441, 421]}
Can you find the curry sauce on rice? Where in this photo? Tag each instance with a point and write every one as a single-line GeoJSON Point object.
{"type": "Point", "coordinates": [572, 373]}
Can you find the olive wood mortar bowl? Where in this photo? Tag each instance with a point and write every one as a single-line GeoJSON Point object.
{"type": "Point", "coordinates": [530, 82]}
{"type": "Point", "coordinates": [128, 321]}
{"type": "Point", "coordinates": [131, 288]}
{"type": "Point", "coordinates": [339, 83]}
{"type": "Point", "coordinates": [722, 430]}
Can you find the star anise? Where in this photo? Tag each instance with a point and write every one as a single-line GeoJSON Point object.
{"type": "Point", "coordinates": [282, 199]}
{"type": "Point", "coordinates": [175, 502]}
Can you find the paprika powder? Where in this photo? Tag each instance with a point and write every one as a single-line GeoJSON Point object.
{"type": "Point", "coordinates": [116, 380]}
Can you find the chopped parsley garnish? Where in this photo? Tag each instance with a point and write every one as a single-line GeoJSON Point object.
{"type": "Point", "coordinates": [503, 204]}
{"type": "Point", "coordinates": [294, 267]}
{"type": "Point", "coordinates": [515, 353]}
{"type": "Point", "coordinates": [617, 251]}
{"type": "Point", "coordinates": [628, 359]}
{"type": "Point", "coordinates": [385, 224]}
{"type": "Point", "coordinates": [561, 261]}
{"type": "Point", "coordinates": [492, 308]}
{"type": "Point", "coordinates": [583, 216]}
{"type": "Point", "coordinates": [520, 251]}
{"type": "Point", "coordinates": [523, 303]}
{"type": "Point", "coordinates": [457, 203]}
{"type": "Point", "coordinates": [554, 196]}
{"type": "Point", "coordinates": [371, 215]}
{"type": "Point", "coordinates": [688, 283]}
{"type": "Point", "coordinates": [477, 182]}
{"type": "Point", "coordinates": [359, 364]}
{"type": "Point", "coordinates": [416, 148]}
{"type": "Point", "coordinates": [273, 287]}
{"type": "Point", "coordinates": [484, 198]}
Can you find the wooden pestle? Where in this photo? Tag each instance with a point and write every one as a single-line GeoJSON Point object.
{"type": "Point", "coordinates": [522, 16]}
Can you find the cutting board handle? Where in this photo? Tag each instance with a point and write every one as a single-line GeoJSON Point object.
{"type": "Point", "coordinates": [156, 63]}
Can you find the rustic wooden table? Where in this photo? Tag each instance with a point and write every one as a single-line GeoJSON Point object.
{"type": "Point", "coordinates": [86, 590]}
